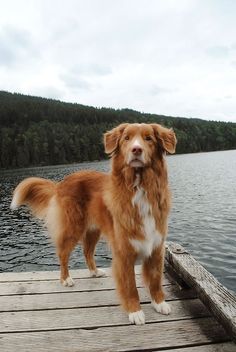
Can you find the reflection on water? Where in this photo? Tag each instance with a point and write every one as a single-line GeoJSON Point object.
{"type": "Point", "coordinates": [203, 217]}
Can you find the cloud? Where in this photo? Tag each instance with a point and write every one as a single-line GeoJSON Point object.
{"type": "Point", "coordinates": [173, 58]}
{"type": "Point", "coordinates": [73, 81]}
{"type": "Point", "coordinates": [218, 51]}
{"type": "Point", "coordinates": [16, 46]}
{"type": "Point", "coordinates": [48, 91]}
{"type": "Point", "coordinates": [233, 63]}
{"type": "Point", "coordinates": [82, 75]}
{"type": "Point", "coordinates": [157, 90]}
{"type": "Point", "coordinates": [92, 68]}
{"type": "Point", "coordinates": [221, 51]}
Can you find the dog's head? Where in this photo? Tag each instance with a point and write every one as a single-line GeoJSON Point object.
{"type": "Point", "coordinates": [139, 144]}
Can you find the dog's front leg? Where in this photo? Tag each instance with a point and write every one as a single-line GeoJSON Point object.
{"type": "Point", "coordinates": [153, 273]}
{"type": "Point", "coordinates": [123, 269]}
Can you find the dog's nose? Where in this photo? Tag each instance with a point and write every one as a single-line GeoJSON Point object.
{"type": "Point", "coordinates": [136, 150]}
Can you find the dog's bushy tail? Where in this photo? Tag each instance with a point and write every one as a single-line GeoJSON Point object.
{"type": "Point", "coordinates": [34, 192]}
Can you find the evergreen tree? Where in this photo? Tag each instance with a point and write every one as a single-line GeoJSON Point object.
{"type": "Point", "coordinates": [39, 131]}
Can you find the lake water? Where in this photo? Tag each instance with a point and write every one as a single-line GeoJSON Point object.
{"type": "Point", "coordinates": [203, 216]}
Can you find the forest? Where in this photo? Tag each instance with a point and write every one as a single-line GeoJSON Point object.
{"type": "Point", "coordinates": [38, 131]}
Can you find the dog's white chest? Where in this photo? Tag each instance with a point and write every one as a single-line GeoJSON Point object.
{"type": "Point", "coordinates": [152, 237]}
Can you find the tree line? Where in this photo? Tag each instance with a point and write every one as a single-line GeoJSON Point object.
{"type": "Point", "coordinates": [39, 131]}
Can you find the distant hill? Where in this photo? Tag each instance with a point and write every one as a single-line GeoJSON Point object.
{"type": "Point", "coordinates": [39, 131]}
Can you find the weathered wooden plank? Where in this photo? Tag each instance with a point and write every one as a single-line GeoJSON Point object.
{"type": "Point", "coordinates": [218, 347]}
{"type": "Point", "coordinates": [90, 284]}
{"type": "Point", "coordinates": [80, 299]}
{"type": "Point", "coordinates": [46, 275]}
{"type": "Point", "coordinates": [60, 319]}
{"type": "Point", "coordinates": [53, 275]}
{"type": "Point", "coordinates": [215, 296]}
{"type": "Point", "coordinates": [119, 338]}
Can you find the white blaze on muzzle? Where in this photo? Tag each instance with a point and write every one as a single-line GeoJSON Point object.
{"type": "Point", "coordinates": [136, 159]}
{"type": "Point", "coordinates": [136, 144]}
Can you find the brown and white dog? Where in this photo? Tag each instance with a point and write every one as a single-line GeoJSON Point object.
{"type": "Point", "coordinates": [129, 206]}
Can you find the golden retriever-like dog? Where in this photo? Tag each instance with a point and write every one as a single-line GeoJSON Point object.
{"type": "Point", "coordinates": [129, 206]}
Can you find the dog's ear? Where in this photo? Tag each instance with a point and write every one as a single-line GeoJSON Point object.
{"type": "Point", "coordinates": [166, 137]}
{"type": "Point", "coordinates": [111, 138]}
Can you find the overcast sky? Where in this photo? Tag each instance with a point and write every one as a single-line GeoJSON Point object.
{"type": "Point", "coordinates": [171, 57]}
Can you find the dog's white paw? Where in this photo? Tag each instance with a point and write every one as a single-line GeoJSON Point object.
{"type": "Point", "coordinates": [163, 307]}
{"type": "Point", "coordinates": [137, 318]}
{"type": "Point", "coordinates": [97, 273]}
{"type": "Point", "coordinates": [68, 282]}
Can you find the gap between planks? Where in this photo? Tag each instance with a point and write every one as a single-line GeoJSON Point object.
{"type": "Point", "coordinates": [90, 284]}
{"type": "Point", "coordinates": [94, 317]}
{"type": "Point", "coordinates": [54, 275]}
{"type": "Point", "coordinates": [81, 299]}
{"type": "Point", "coordinates": [215, 347]}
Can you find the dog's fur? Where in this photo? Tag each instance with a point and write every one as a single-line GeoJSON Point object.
{"type": "Point", "coordinates": [129, 206]}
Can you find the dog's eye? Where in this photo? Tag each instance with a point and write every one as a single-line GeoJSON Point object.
{"type": "Point", "coordinates": [148, 138]}
{"type": "Point", "coordinates": [126, 138]}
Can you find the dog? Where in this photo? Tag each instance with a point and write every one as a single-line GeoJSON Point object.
{"type": "Point", "coordinates": [129, 206]}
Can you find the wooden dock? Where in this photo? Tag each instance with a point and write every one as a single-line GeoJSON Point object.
{"type": "Point", "coordinates": [39, 314]}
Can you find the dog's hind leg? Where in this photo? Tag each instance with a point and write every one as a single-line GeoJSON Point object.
{"type": "Point", "coordinates": [64, 249]}
{"type": "Point", "coordinates": [90, 240]}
